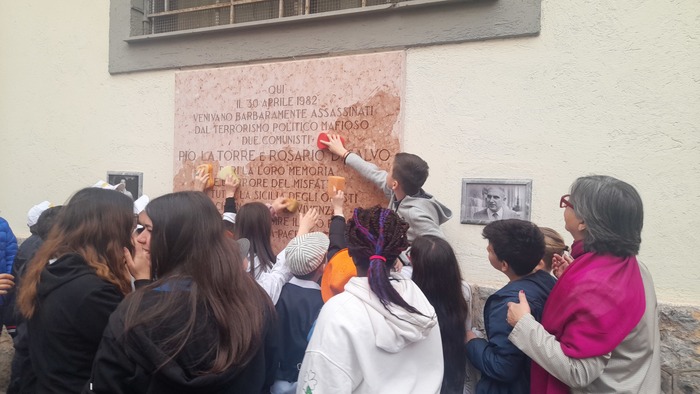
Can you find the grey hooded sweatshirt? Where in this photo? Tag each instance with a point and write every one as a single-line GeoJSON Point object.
{"type": "Point", "coordinates": [423, 213]}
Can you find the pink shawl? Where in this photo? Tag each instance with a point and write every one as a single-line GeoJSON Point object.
{"type": "Point", "coordinates": [594, 305]}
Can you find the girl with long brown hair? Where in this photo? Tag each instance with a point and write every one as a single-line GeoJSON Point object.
{"type": "Point", "coordinates": [436, 271]}
{"type": "Point", "coordinates": [203, 326]}
{"type": "Point", "coordinates": [254, 222]}
{"type": "Point", "coordinates": [74, 282]}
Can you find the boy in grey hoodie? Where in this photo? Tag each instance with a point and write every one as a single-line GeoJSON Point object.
{"type": "Point", "coordinates": [403, 186]}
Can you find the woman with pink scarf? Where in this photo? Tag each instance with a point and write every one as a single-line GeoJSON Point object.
{"type": "Point", "coordinates": [600, 326]}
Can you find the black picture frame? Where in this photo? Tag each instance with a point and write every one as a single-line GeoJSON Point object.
{"type": "Point", "coordinates": [477, 208]}
{"type": "Point", "coordinates": [133, 180]}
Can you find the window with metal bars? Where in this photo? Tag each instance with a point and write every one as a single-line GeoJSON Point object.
{"type": "Point", "coordinates": [162, 16]}
{"type": "Point", "coordinates": [168, 34]}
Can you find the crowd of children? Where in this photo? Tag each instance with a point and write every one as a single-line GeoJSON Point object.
{"type": "Point", "coordinates": [185, 300]}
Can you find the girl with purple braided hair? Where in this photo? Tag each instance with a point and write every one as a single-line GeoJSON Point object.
{"type": "Point", "coordinates": [380, 335]}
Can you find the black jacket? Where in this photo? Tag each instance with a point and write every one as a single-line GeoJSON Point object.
{"type": "Point", "coordinates": [73, 307]}
{"type": "Point", "coordinates": [130, 363]}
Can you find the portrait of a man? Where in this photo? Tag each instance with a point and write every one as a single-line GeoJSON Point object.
{"type": "Point", "coordinates": [496, 209]}
{"type": "Point", "coordinates": [488, 200]}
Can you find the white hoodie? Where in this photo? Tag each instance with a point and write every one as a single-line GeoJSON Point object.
{"type": "Point", "coordinates": [358, 346]}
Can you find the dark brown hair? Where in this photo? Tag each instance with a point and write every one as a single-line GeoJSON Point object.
{"type": "Point", "coordinates": [95, 224]}
{"type": "Point", "coordinates": [200, 269]}
{"type": "Point", "coordinates": [518, 242]}
{"type": "Point", "coordinates": [436, 271]}
{"type": "Point", "coordinates": [410, 171]}
{"type": "Point", "coordinates": [46, 221]}
{"type": "Point", "coordinates": [254, 222]}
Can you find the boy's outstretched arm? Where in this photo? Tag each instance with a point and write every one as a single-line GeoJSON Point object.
{"type": "Point", "coordinates": [335, 145]}
{"type": "Point", "coordinates": [368, 170]}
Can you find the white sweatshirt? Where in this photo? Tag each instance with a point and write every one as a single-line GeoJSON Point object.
{"type": "Point", "coordinates": [273, 280]}
{"type": "Point", "coordinates": [358, 346]}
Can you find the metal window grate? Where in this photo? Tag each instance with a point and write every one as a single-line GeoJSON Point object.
{"type": "Point", "coordinates": [162, 16]}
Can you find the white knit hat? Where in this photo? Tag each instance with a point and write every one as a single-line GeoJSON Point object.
{"type": "Point", "coordinates": [35, 212]}
{"type": "Point", "coordinates": [104, 185]}
{"type": "Point", "coordinates": [140, 204]}
{"type": "Point", "coordinates": [306, 252]}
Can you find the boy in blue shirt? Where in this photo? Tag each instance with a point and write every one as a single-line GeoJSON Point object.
{"type": "Point", "coordinates": [515, 248]}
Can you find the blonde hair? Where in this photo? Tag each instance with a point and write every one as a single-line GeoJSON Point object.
{"type": "Point", "coordinates": [553, 243]}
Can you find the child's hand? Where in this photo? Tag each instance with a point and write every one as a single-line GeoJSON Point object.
{"type": "Point", "coordinates": [335, 145]}
{"type": "Point", "coordinates": [200, 180]}
{"type": "Point", "coordinates": [561, 263]}
{"type": "Point", "coordinates": [337, 202]}
{"type": "Point", "coordinates": [231, 185]}
{"type": "Point", "coordinates": [7, 282]}
{"type": "Point", "coordinates": [516, 310]}
{"type": "Point", "coordinates": [139, 265]}
{"type": "Point", "coordinates": [279, 204]}
{"type": "Point", "coordinates": [307, 221]}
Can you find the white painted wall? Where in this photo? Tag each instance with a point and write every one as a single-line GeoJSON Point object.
{"type": "Point", "coordinates": [608, 88]}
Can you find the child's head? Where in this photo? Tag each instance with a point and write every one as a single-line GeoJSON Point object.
{"type": "Point", "coordinates": [410, 171]}
{"type": "Point", "coordinates": [254, 222]}
{"type": "Point", "coordinates": [34, 213]}
{"type": "Point", "coordinates": [518, 243]}
{"type": "Point", "coordinates": [435, 267]}
{"type": "Point", "coordinates": [375, 232]}
{"type": "Point", "coordinates": [46, 221]}
{"type": "Point", "coordinates": [96, 224]}
{"type": "Point", "coordinates": [306, 254]}
{"type": "Point", "coordinates": [553, 243]}
{"type": "Point", "coordinates": [376, 236]}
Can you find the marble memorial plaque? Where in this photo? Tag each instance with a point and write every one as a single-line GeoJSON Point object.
{"type": "Point", "coordinates": [264, 120]}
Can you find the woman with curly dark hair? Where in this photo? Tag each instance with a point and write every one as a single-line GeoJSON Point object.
{"type": "Point", "coordinates": [380, 334]}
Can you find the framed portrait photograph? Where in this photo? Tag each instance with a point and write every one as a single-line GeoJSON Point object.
{"type": "Point", "coordinates": [129, 183]}
{"type": "Point", "coordinates": [485, 200]}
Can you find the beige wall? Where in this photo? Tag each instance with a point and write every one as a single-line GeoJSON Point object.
{"type": "Point", "coordinates": [606, 88]}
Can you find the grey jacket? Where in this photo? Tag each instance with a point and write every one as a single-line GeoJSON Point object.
{"type": "Point", "coordinates": [423, 213]}
{"type": "Point", "coordinates": [634, 366]}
